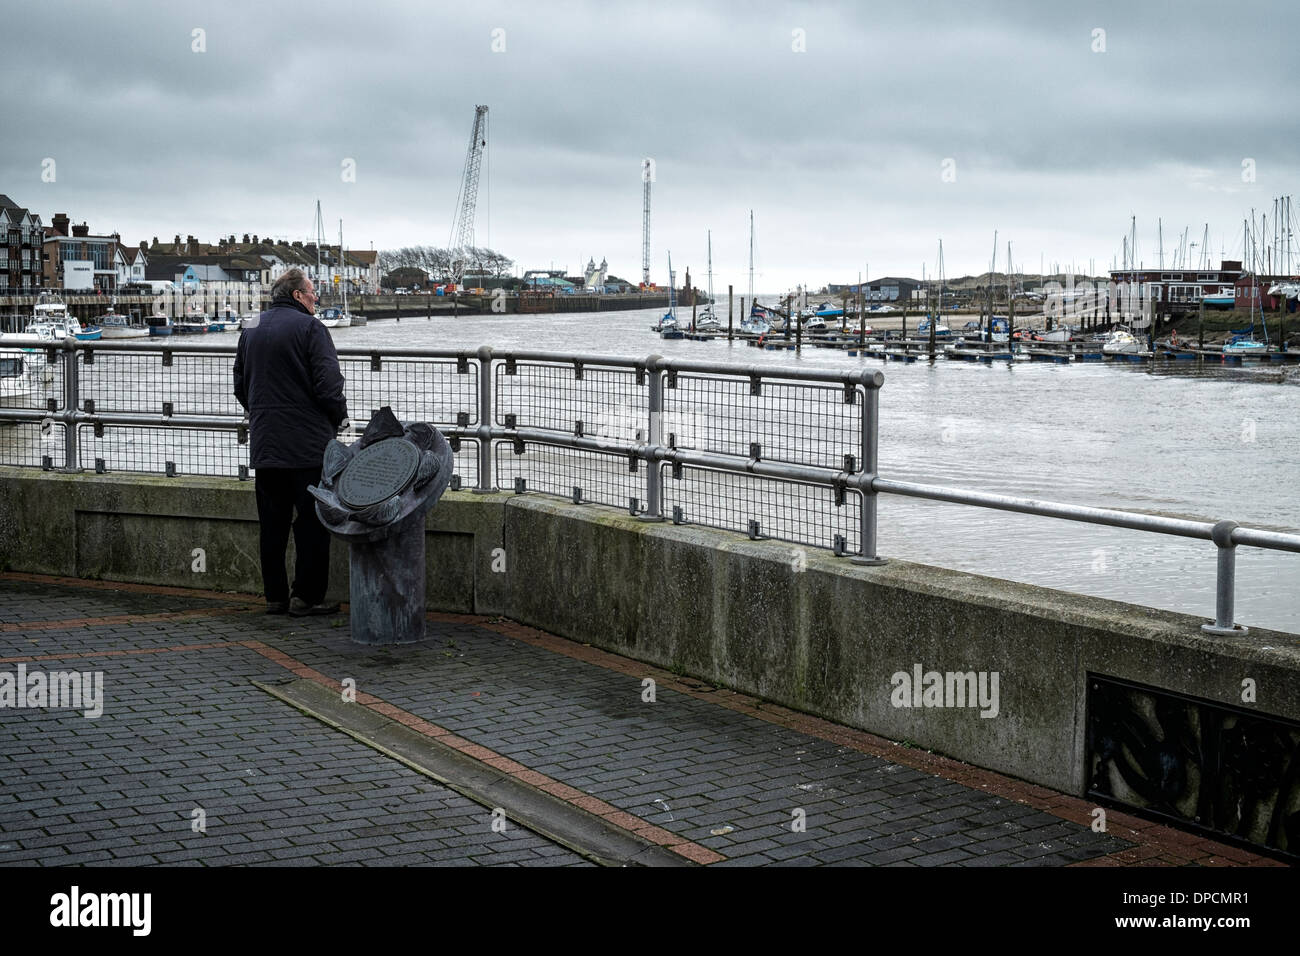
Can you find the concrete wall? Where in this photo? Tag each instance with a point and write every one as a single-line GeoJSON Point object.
{"type": "Point", "coordinates": [800, 628]}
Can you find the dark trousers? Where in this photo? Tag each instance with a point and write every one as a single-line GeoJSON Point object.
{"type": "Point", "coordinates": [279, 492]}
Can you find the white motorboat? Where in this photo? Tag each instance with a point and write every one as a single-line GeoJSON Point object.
{"type": "Point", "coordinates": [51, 321]}
{"type": "Point", "coordinates": [114, 325]}
{"type": "Point", "coordinates": [333, 318]}
{"type": "Point", "coordinates": [941, 331]}
{"type": "Point", "coordinates": [1121, 342]}
{"type": "Point", "coordinates": [194, 322]}
{"type": "Point", "coordinates": [16, 387]}
{"type": "Point", "coordinates": [230, 321]}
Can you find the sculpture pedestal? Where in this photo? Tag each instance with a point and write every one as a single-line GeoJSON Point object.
{"type": "Point", "coordinates": [375, 496]}
{"type": "Point", "coordinates": [386, 587]}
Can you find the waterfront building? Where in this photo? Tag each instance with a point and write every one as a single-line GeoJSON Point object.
{"type": "Point", "coordinates": [21, 247]}
{"type": "Point", "coordinates": [265, 260]}
{"type": "Point", "coordinates": [1179, 287]}
{"type": "Point", "coordinates": [76, 260]}
{"type": "Point", "coordinates": [887, 289]}
{"type": "Point", "coordinates": [131, 262]}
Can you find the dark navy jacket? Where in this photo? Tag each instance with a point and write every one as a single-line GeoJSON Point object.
{"type": "Point", "coordinates": [287, 377]}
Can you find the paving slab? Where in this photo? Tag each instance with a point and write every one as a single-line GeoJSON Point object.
{"type": "Point", "coordinates": [194, 761]}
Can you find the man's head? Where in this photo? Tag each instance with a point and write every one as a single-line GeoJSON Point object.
{"type": "Point", "coordinates": [295, 285]}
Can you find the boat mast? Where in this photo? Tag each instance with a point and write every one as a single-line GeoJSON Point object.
{"type": "Point", "coordinates": [993, 265]}
{"type": "Point", "coordinates": [751, 259]}
{"type": "Point", "coordinates": [343, 282]}
{"type": "Point", "coordinates": [710, 271]}
{"type": "Point", "coordinates": [320, 237]}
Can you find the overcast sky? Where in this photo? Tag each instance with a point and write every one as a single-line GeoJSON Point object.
{"type": "Point", "coordinates": [832, 121]}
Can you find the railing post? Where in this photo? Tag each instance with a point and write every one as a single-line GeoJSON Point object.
{"type": "Point", "coordinates": [1225, 581]}
{"type": "Point", "coordinates": [71, 405]}
{"type": "Point", "coordinates": [870, 448]}
{"type": "Point", "coordinates": [654, 439]}
{"type": "Point", "coordinates": [486, 484]}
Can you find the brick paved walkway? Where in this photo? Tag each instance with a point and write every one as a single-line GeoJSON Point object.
{"type": "Point", "coordinates": [717, 777]}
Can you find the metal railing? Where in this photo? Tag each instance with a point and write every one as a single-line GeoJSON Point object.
{"type": "Point", "coordinates": [771, 451]}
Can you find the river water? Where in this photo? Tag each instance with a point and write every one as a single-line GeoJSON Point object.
{"type": "Point", "coordinates": [1205, 443]}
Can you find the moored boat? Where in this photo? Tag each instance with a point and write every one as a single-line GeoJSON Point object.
{"type": "Point", "coordinates": [159, 324]}
{"type": "Point", "coordinates": [16, 387]}
{"type": "Point", "coordinates": [334, 318]}
{"type": "Point", "coordinates": [1223, 299]}
{"type": "Point", "coordinates": [51, 321]}
{"type": "Point", "coordinates": [1244, 345]}
{"type": "Point", "coordinates": [194, 322]}
{"type": "Point", "coordinates": [1120, 342]}
{"type": "Point", "coordinates": [114, 325]}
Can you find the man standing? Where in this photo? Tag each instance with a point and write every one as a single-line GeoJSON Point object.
{"type": "Point", "coordinates": [287, 377]}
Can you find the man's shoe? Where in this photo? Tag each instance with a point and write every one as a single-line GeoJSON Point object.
{"type": "Point", "coordinates": [277, 607]}
{"type": "Point", "coordinates": [300, 608]}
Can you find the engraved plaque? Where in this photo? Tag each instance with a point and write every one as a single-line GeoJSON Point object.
{"type": "Point", "coordinates": [378, 472]}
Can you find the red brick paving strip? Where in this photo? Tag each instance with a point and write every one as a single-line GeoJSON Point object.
{"type": "Point", "coordinates": [208, 594]}
{"type": "Point", "coordinates": [75, 622]}
{"type": "Point", "coordinates": [131, 652]}
{"type": "Point", "coordinates": [1158, 845]}
{"type": "Point", "coordinates": [611, 814]}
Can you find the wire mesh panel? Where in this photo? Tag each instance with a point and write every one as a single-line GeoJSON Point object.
{"type": "Point", "coordinates": [29, 380]}
{"type": "Point", "coordinates": [29, 443]}
{"type": "Point", "coordinates": [607, 401]}
{"type": "Point", "coordinates": [601, 478]}
{"type": "Point", "coordinates": [785, 510]}
{"type": "Point", "coordinates": [466, 466]}
{"type": "Point", "coordinates": [417, 389]}
{"type": "Point", "coordinates": [798, 423]}
{"type": "Point", "coordinates": [162, 450]}
{"type": "Point", "coordinates": [141, 382]}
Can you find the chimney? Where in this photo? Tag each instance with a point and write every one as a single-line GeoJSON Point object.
{"type": "Point", "coordinates": [144, 246]}
{"type": "Point", "coordinates": [60, 223]}
{"type": "Point", "coordinates": [176, 239]}
{"type": "Point", "coordinates": [81, 231]}
{"type": "Point", "coordinates": [255, 239]}
{"type": "Point", "coordinates": [245, 238]}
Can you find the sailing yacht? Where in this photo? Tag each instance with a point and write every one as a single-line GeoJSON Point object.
{"type": "Point", "coordinates": [707, 321]}
{"type": "Point", "coordinates": [668, 326]}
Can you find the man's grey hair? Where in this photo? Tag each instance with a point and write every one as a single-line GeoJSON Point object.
{"type": "Point", "coordinates": [294, 280]}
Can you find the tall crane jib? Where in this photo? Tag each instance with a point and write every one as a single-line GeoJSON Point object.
{"type": "Point", "coordinates": [462, 229]}
{"type": "Point", "coordinates": [647, 177]}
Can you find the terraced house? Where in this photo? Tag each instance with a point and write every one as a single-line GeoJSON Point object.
{"type": "Point", "coordinates": [21, 247]}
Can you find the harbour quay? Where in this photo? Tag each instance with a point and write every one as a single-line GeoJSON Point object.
{"type": "Point", "coordinates": [787, 648]}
